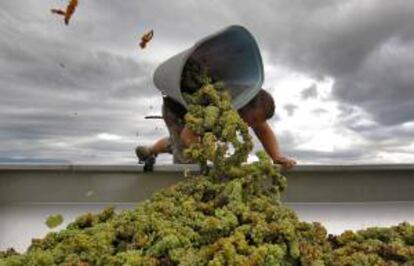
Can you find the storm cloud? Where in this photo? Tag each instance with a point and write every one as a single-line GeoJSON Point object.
{"type": "Point", "coordinates": [80, 93]}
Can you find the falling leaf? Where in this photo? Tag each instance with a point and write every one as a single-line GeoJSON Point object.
{"type": "Point", "coordinates": [70, 10]}
{"type": "Point", "coordinates": [146, 38]}
{"type": "Point", "coordinates": [54, 221]}
{"type": "Point", "coordinates": [58, 12]}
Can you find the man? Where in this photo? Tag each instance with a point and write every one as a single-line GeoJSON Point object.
{"type": "Point", "coordinates": [255, 113]}
{"type": "Point", "coordinates": [230, 56]}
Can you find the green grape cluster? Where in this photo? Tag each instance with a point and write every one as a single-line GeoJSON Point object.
{"type": "Point", "coordinates": [54, 221]}
{"type": "Point", "coordinates": [374, 246]}
{"type": "Point", "coordinates": [224, 136]}
{"type": "Point", "coordinates": [230, 215]}
{"type": "Point", "coordinates": [193, 77]}
{"type": "Point", "coordinates": [200, 221]}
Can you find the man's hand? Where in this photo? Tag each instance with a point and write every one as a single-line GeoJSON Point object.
{"type": "Point", "coordinates": [286, 163]}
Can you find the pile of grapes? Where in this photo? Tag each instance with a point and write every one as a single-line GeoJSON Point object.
{"type": "Point", "coordinates": [228, 214]}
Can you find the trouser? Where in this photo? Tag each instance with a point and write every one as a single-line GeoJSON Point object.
{"type": "Point", "coordinates": [175, 125]}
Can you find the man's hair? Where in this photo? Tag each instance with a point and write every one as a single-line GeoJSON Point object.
{"type": "Point", "coordinates": [263, 100]}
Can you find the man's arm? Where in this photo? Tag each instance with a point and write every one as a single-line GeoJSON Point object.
{"type": "Point", "coordinates": [269, 141]}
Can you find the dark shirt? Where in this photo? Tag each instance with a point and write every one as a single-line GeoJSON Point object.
{"type": "Point", "coordinates": [173, 106]}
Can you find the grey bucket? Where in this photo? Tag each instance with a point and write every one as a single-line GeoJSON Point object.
{"type": "Point", "coordinates": [230, 55]}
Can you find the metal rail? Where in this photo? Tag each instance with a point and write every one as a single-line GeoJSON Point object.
{"type": "Point", "coordinates": [22, 183]}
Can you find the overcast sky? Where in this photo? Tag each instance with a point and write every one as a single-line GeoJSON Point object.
{"type": "Point", "coordinates": [341, 73]}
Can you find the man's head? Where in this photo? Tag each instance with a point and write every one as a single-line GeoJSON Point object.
{"type": "Point", "coordinates": [259, 109]}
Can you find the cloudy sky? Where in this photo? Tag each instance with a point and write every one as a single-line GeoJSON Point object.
{"type": "Point", "coordinates": [341, 73]}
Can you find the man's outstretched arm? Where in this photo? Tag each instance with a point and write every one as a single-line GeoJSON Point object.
{"type": "Point", "coordinates": [270, 144]}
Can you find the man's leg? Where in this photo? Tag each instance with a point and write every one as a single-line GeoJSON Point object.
{"type": "Point", "coordinates": [171, 144]}
{"type": "Point", "coordinates": [160, 146]}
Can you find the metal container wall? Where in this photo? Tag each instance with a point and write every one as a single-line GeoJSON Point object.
{"type": "Point", "coordinates": [341, 197]}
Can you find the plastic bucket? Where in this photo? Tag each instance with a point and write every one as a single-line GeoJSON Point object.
{"type": "Point", "coordinates": [230, 55]}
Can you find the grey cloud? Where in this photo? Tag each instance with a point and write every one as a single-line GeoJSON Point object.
{"type": "Point", "coordinates": [87, 71]}
{"type": "Point", "coordinates": [365, 46]}
{"type": "Point", "coordinates": [34, 160]}
{"type": "Point", "coordinates": [349, 33]}
{"type": "Point", "coordinates": [289, 141]}
{"type": "Point", "coordinates": [92, 68]}
{"type": "Point", "coordinates": [290, 109]}
{"type": "Point", "coordinates": [319, 111]}
{"type": "Point", "coordinates": [371, 60]}
{"type": "Point", "coordinates": [310, 92]}
{"type": "Point", "coordinates": [379, 135]}
{"type": "Point", "coordinates": [384, 85]}
{"type": "Point", "coordinates": [59, 91]}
